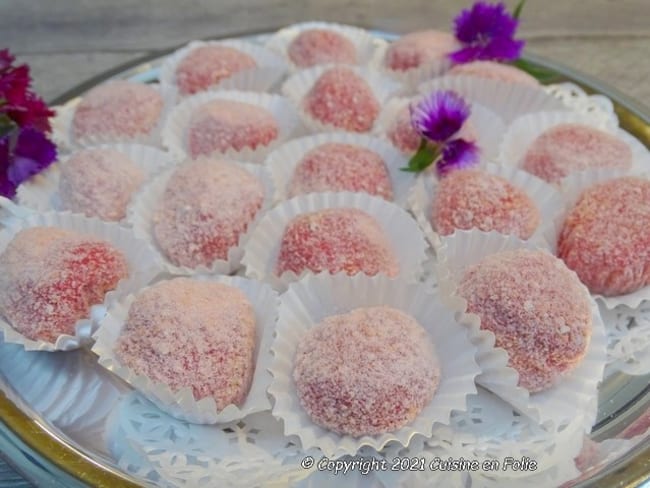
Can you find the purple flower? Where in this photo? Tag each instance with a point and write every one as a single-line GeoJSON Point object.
{"type": "Point", "coordinates": [487, 33]}
{"type": "Point", "coordinates": [457, 154]}
{"type": "Point", "coordinates": [22, 155]}
{"type": "Point", "coordinates": [439, 115]}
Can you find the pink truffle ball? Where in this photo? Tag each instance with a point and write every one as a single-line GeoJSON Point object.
{"type": "Point", "coordinates": [537, 309]}
{"type": "Point", "coordinates": [321, 46]}
{"type": "Point", "coordinates": [206, 66]}
{"type": "Point", "coordinates": [335, 240]}
{"type": "Point", "coordinates": [99, 182]}
{"type": "Point", "coordinates": [418, 48]}
{"type": "Point", "coordinates": [206, 207]}
{"type": "Point", "coordinates": [196, 334]}
{"type": "Point", "coordinates": [494, 71]}
{"type": "Point", "coordinates": [50, 278]}
{"type": "Point", "coordinates": [472, 199]}
{"type": "Point", "coordinates": [223, 125]}
{"type": "Point", "coordinates": [366, 372]}
{"type": "Point", "coordinates": [605, 238]}
{"type": "Point", "coordinates": [571, 148]}
{"type": "Point", "coordinates": [335, 166]}
{"type": "Point", "coordinates": [343, 99]}
{"type": "Point", "coordinates": [118, 110]}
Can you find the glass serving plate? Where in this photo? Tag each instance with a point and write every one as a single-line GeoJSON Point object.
{"type": "Point", "coordinates": [54, 406]}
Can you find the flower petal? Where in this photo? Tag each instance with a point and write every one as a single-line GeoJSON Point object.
{"type": "Point", "coordinates": [439, 115]}
{"type": "Point", "coordinates": [32, 154]}
{"type": "Point", "coordinates": [457, 154]}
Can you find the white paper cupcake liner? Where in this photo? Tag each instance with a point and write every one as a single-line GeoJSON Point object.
{"type": "Point", "coordinates": [309, 301]}
{"type": "Point", "coordinates": [174, 133]}
{"type": "Point", "coordinates": [507, 100]}
{"type": "Point", "coordinates": [283, 161]}
{"type": "Point", "coordinates": [363, 41]}
{"type": "Point", "coordinates": [62, 125]}
{"type": "Point", "coordinates": [547, 199]}
{"type": "Point", "coordinates": [270, 67]}
{"type": "Point", "coordinates": [575, 392]}
{"type": "Point", "coordinates": [142, 260]}
{"type": "Point", "coordinates": [41, 192]}
{"type": "Point", "coordinates": [144, 204]}
{"type": "Point", "coordinates": [572, 187]}
{"type": "Point", "coordinates": [402, 232]}
{"type": "Point", "coordinates": [488, 125]}
{"type": "Point", "coordinates": [527, 128]}
{"type": "Point", "coordinates": [182, 404]}
{"type": "Point", "coordinates": [298, 86]}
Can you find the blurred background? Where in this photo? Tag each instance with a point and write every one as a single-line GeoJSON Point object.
{"type": "Point", "coordinates": [68, 41]}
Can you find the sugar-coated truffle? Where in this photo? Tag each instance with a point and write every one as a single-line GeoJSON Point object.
{"type": "Point", "coordinates": [321, 46]}
{"type": "Point", "coordinates": [537, 309]}
{"type": "Point", "coordinates": [50, 278]}
{"type": "Point", "coordinates": [366, 372]}
{"type": "Point", "coordinates": [418, 48]}
{"type": "Point", "coordinates": [493, 71]}
{"type": "Point", "coordinates": [335, 240]}
{"type": "Point", "coordinates": [190, 333]}
{"type": "Point", "coordinates": [336, 166]}
{"type": "Point", "coordinates": [206, 66]}
{"type": "Point", "coordinates": [118, 110]}
{"type": "Point", "coordinates": [223, 125]}
{"type": "Point", "coordinates": [571, 148]}
{"type": "Point", "coordinates": [343, 99]}
{"type": "Point", "coordinates": [206, 207]}
{"type": "Point", "coordinates": [99, 182]}
{"type": "Point", "coordinates": [473, 199]}
{"type": "Point", "coordinates": [605, 238]}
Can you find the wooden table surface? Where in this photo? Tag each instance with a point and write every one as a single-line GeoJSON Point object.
{"type": "Point", "coordinates": [68, 41]}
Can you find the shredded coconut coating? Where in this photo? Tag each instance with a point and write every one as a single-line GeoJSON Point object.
{"type": "Point", "coordinates": [493, 71]}
{"type": "Point", "coordinates": [571, 148]}
{"type": "Point", "coordinates": [418, 48]}
{"type": "Point", "coordinates": [222, 125]}
{"type": "Point", "coordinates": [321, 46]}
{"type": "Point", "coordinates": [343, 99]}
{"type": "Point", "coordinates": [536, 308]}
{"type": "Point", "coordinates": [605, 238]}
{"type": "Point", "coordinates": [335, 166]}
{"type": "Point", "coordinates": [366, 372]}
{"type": "Point", "coordinates": [206, 207]}
{"type": "Point", "coordinates": [206, 66]}
{"type": "Point", "coordinates": [472, 199]}
{"type": "Point", "coordinates": [50, 278]}
{"type": "Point", "coordinates": [196, 334]}
{"type": "Point", "coordinates": [335, 240]}
{"type": "Point", "coordinates": [118, 109]}
{"type": "Point", "coordinates": [99, 183]}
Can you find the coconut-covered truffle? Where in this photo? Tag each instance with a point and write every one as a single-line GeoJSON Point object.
{"type": "Point", "coordinates": [343, 99]}
{"type": "Point", "coordinates": [336, 166]}
{"type": "Point", "coordinates": [206, 207]}
{"type": "Point", "coordinates": [99, 182]}
{"type": "Point", "coordinates": [472, 199]}
{"type": "Point", "coordinates": [605, 238]}
{"type": "Point", "coordinates": [418, 48]}
{"type": "Point", "coordinates": [321, 46]}
{"type": "Point", "coordinates": [50, 278]}
{"type": "Point", "coordinates": [195, 334]}
{"type": "Point", "coordinates": [335, 240]}
{"type": "Point", "coordinates": [493, 71]}
{"type": "Point", "coordinates": [366, 372]}
{"type": "Point", "coordinates": [570, 148]}
{"type": "Point", "coordinates": [537, 309]}
{"type": "Point", "coordinates": [223, 125]}
{"type": "Point", "coordinates": [117, 110]}
{"type": "Point", "coordinates": [206, 66]}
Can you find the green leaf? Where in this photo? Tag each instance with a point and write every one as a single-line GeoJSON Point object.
{"type": "Point", "coordinates": [517, 12]}
{"type": "Point", "coordinates": [6, 125]}
{"type": "Point", "coordinates": [425, 156]}
{"type": "Point", "coordinates": [543, 75]}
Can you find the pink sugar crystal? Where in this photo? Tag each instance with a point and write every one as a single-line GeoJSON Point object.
{"type": "Point", "coordinates": [321, 46]}
{"type": "Point", "coordinates": [418, 48]}
{"type": "Point", "coordinates": [493, 71]}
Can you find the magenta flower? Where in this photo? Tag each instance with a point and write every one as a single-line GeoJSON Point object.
{"type": "Point", "coordinates": [457, 154]}
{"type": "Point", "coordinates": [487, 33]}
{"type": "Point", "coordinates": [21, 157]}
